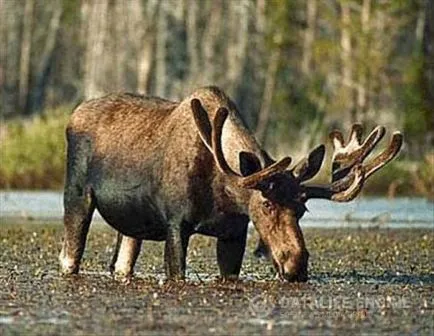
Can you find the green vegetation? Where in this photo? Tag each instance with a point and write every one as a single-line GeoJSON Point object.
{"type": "Point", "coordinates": [296, 70]}
{"type": "Point", "coordinates": [32, 151]}
{"type": "Point", "coordinates": [423, 177]}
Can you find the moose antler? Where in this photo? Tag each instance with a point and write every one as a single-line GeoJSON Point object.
{"type": "Point", "coordinates": [243, 181]}
{"type": "Point", "coordinates": [211, 135]}
{"type": "Point", "coordinates": [348, 171]}
{"type": "Point", "coordinates": [345, 156]}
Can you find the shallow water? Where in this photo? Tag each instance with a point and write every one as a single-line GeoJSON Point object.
{"type": "Point", "coordinates": [377, 280]}
{"type": "Point", "coordinates": [362, 212]}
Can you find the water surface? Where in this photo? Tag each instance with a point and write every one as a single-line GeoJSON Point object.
{"type": "Point", "coordinates": [362, 212]}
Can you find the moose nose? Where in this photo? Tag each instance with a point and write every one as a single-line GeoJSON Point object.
{"type": "Point", "coordinates": [295, 269]}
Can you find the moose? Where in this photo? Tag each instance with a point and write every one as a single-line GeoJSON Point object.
{"type": "Point", "coordinates": [162, 170]}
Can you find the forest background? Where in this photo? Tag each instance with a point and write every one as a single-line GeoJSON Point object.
{"type": "Point", "coordinates": [295, 68]}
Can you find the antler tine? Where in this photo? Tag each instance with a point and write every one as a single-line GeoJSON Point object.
{"type": "Point", "coordinates": [337, 139]}
{"type": "Point", "coordinates": [346, 157]}
{"type": "Point", "coordinates": [216, 136]}
{"type": "Point", "coordinates": [343, 190]}
{"type": "Point", "coordinates": [351, 179]}
{"type": "Point", "coordinates": [211, 135]}
{"type": "Point", "coordinates": [250, 181]}
{"type": "Point", "coordinates": [356, 133]}
{"type": "Point", "coordinates": [253, 180]}
{"type": "Point", "coordinates": [386, 156]}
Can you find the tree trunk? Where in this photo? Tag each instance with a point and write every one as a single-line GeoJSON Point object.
{"type": "Point", "coordinates": [146, 43]}
{"type": "Point", "coordinates": [346, 58]}
{"type": "Point", "coordinates": [253, 88]}
{"type": "Point", "coordinates": [267, 98]}
{"type": "Point", "coordinates": [428, 65]}
{"type": "Point", "coordinates": [364, 52]}
{"type": "Point", "coordinates": [309, 37]}
{"type": "Point", "coordinates": [96, 31]}
{"type": "Point", "coordinates": [3, 56]}
{"type": "Point", "coordinates": [43, 69]}
{"type": "Point", "coordinates": [26, 45]}
{"type": "Point", "coordinates": [161, 51]}
{"type": "Point", "coordinates": [120, 44]}
{"type": "Point", "coordinates": [237, 44]}
{"type": "Point", "coordinates": [420, 25]}
{"type": "Point", "coordinates": [10, 51]}
{"type": "Point", "coordinates": [192, 41]}
{"type": "Point", "coordinates": [209, 43]}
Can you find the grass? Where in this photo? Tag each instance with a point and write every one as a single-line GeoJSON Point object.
{"type": "Point", "coordinates": [32, 154]}
{"type": "Point", "coordinates": [32, 151]}
{"type": "Point", "coordinates": [405, 178]}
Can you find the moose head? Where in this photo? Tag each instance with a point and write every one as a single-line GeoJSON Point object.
{"type": "Point", "coordinates": [277, 194]}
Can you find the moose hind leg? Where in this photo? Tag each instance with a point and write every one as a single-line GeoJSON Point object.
{"type": "Point", "coordinates": [78, 215]}
{"type": "Point", "coordinates": [78, 202]}
{"type": "Point", "coordinates": [128, 250]}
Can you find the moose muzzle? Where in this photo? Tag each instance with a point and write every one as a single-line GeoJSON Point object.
{"type": "Point", "coordinates": [294, 269]}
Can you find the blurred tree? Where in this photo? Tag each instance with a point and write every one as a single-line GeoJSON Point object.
{"type": "Point", "coordinates": [95, 30]}
{"type": "Point", "coordinates": [347, 67]}
{"type": "Point", "coordinates": [416, 92]}
{"type": "Point", "coordinates": [144, 26]}
{"type": "Point", "coordinates": [428, 72]}
{"type": "Point", "coordinates": [309, 37]}
{"type": "Point", "coordinates": [26, 45]}
{"type": "Point", "coordinates": [295, 68]}
{"type": "Point", "coordinates": [43, 65]}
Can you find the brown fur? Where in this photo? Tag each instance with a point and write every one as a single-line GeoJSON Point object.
{"type": "Point", "coordinates": [152, 145]}
{"type": "Point", "coordinates": [147, 165]}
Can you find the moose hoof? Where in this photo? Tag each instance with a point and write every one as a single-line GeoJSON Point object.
{"type": "Point", "coordinates": [229, 278]}
{"type": "Point", "coordinates": [123, 278]}
{"type": "Point", "coordinates": [68, 267]}
{"type": "Point", "coordinates": [122, 275]}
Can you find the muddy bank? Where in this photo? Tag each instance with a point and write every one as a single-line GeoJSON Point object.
{"type": "Point", "coordinates": [368, 281]}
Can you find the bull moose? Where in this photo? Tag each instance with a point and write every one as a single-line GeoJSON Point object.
{"type": "Point", "coordinates": [163, 170]}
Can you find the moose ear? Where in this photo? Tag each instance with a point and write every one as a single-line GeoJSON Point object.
{"type": "Point", "coordinates": [249, 163]}
{"type": "Point", "coordinates": [310, 166]}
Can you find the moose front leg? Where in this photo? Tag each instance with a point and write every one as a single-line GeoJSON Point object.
{"type": "Point", "coordinates": [175, 251]}
{"type": "Point", "coordinates": [230, 253]}
{"type": "Point", "coordinates": [230, 248]}
{"type": "Point", "coordinates": [78, 215]}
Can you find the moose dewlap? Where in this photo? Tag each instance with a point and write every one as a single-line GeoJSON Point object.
{"type": "Point", "coordinates": [162, 170]}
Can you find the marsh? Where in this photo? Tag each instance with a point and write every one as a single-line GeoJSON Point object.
{"type": "Point", "coordinates": [361, 280]}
